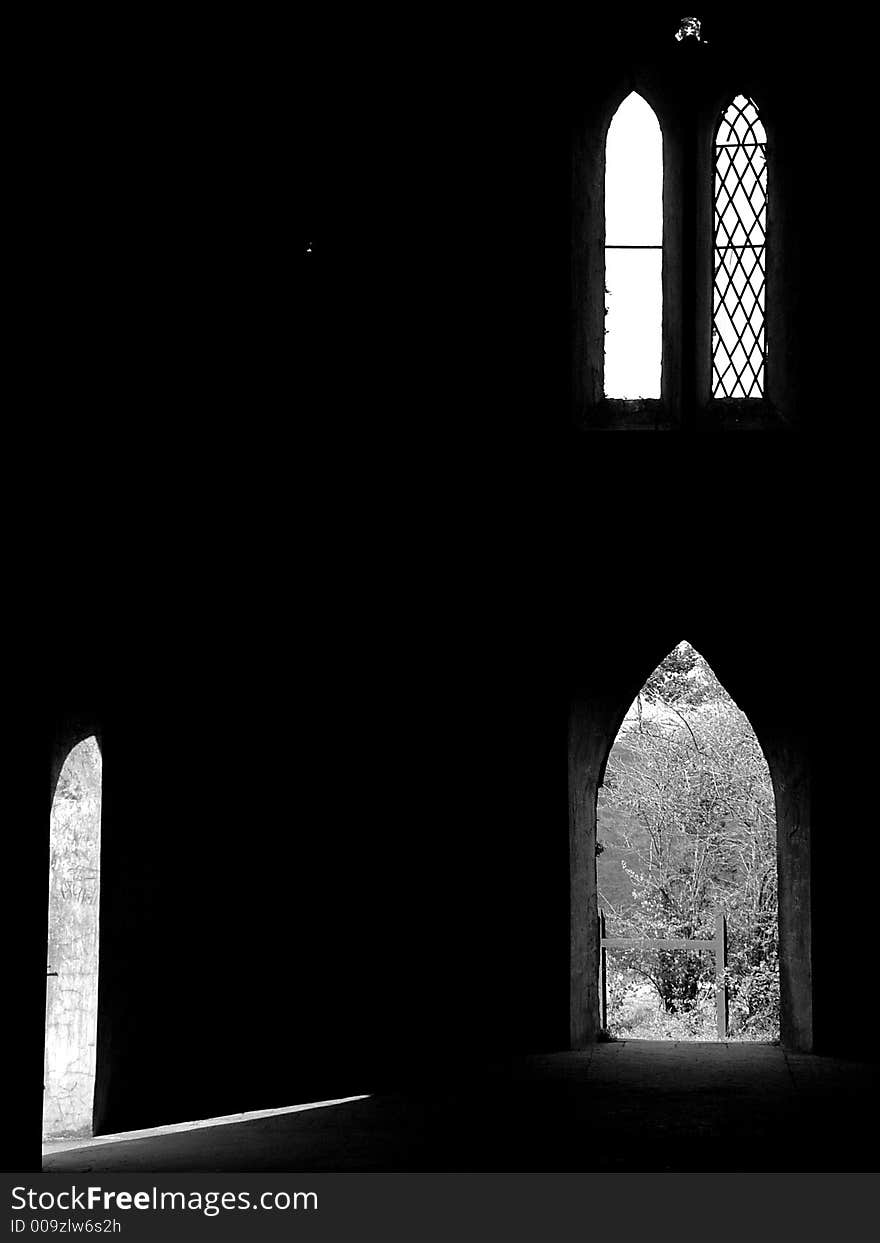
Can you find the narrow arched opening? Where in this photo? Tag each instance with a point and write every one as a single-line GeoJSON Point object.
{"type": "Point", "coordinates": [633, 252]}
{"type": "Point", "coordinates": [72, 959]}
{"type": "Point", "coordinates": [740, 266]}
{"type": "Point", "coordinates": [686, 866]}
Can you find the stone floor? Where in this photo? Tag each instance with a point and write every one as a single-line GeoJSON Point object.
{"type": "Point", "coordinates": [625, 1106]}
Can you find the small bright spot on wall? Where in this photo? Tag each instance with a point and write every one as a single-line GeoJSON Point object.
{"type": "Point", "coordinates": [633, 251]}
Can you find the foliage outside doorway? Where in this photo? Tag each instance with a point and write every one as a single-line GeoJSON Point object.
{"type": "Point", "coordinates": [686, 826]}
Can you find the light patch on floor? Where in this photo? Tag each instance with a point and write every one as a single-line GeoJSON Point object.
{"type": "Point", "coordinates": [177, 1128]}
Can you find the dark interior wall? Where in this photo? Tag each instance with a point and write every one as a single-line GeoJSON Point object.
{"type": "Point", "coordinates": [360, 635]}
{"type": "Point", "coordinates": [461, 259]}
{"type": "Point", "coordinates": [313, 887]}
{"type": "Point", "coordinates": [336, 855]}
{"type": "Point", "coordinates": [790, 655]}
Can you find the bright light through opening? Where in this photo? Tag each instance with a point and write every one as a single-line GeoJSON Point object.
{"type": "Point", "coordinates": [633, 251]}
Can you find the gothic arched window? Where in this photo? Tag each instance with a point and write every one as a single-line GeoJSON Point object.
{"type": "Point", "coordinates": [738, 339]}
{"type": "Point", "coordinates": [633, 251]}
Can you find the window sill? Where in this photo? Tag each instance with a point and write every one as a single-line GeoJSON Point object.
{"type": "Point", "coordinates": [641, 414]}
{"type": "Point", "coordinates": [719, 414]}
{"type": "Point", "coordinates": [741, 414]}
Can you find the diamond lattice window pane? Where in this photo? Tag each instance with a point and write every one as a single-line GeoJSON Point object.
{"type": "Point", "coordinates": [738, 347]}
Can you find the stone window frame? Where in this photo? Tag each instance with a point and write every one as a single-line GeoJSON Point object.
{"type": "Point", "coordinates": [686, 402]}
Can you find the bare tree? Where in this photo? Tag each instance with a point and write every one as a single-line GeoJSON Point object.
{"type": "Point", "coordinates": [697, 820]}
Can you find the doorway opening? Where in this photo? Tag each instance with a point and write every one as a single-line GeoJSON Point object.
{"type": "Point", "coordinates": [686, 845]}
{"type": "Point", "coordinates": [72, 960]}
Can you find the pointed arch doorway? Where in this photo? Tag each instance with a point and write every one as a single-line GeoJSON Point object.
{"type": "Point", "coordinates": [770, 692]}
{"type": "Point", "coordinates": [686, 841]}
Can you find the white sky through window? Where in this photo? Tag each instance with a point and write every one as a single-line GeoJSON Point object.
{"type": "Point", "coordinates": [633, 255]}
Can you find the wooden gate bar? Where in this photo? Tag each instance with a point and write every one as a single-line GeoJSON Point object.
{"type": "Point", "coordinates": [603, 980]}
{"type": "Point", "coordinates": [718, 946]}
{"type": "Point", "coordinates": [720, 967]}
{"type": "Point", "coordinates": [664, 943]}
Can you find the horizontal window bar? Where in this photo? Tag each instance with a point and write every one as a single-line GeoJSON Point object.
{"type": "Point", "coordinates": [676, 943]}
{"type": "Point", "coordinates": [742, 246]}
{"type": "Point", "coordinates": [740, 144]}
{"type": "Point", "coordinates": [630, 246]}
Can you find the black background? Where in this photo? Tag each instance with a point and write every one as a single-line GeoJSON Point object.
{"type": "Point", "coordinates": [330, 506]}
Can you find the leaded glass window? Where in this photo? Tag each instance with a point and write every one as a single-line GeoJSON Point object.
{"type": "Point", "coordinates": [738, 340]}
{"type": "Point", "coordinates": [633, 251]}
